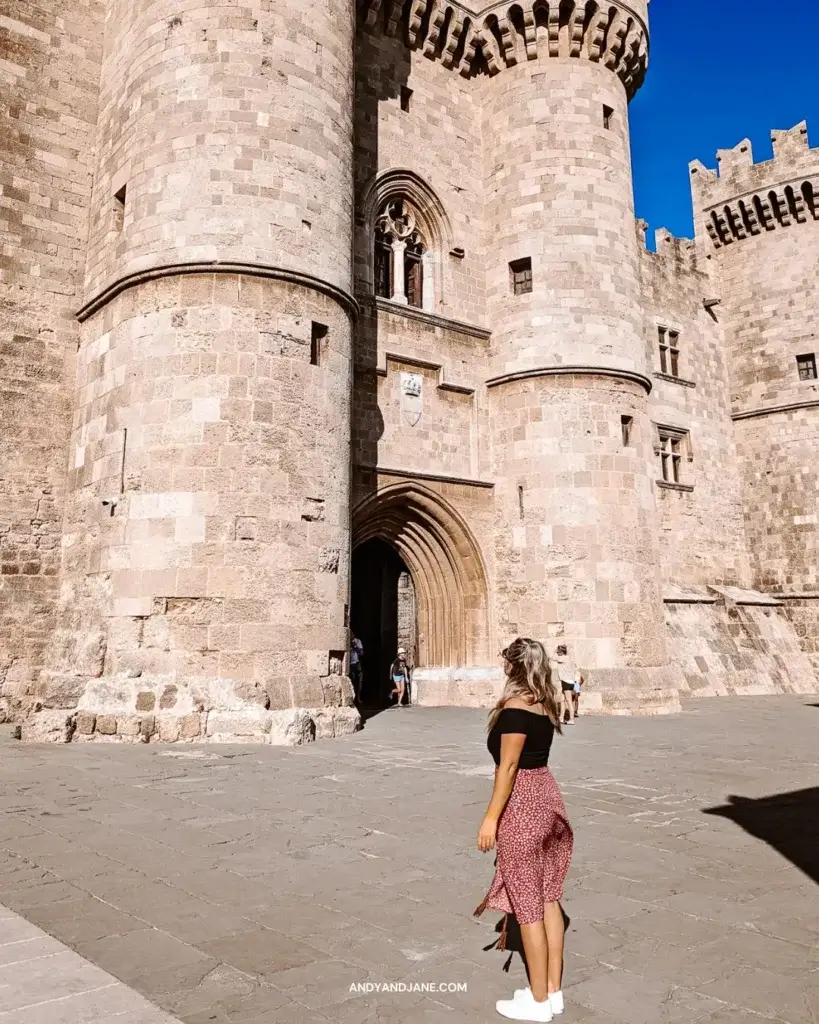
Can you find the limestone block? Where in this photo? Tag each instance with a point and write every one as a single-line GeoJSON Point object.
{"type": "Point", "coordinates": [128, 726]}
{"type": "Point", "coordinates": [167, 727]}
{"type": "Point", "coordinates": [106, 725]}
{"type": "Point", "coordinates": [85, 723]}
{"type": "Point", "coordinates": [331, 723]}
{"type": "Point", "coordinates": [49, 727]}
{"type": "Point", "coordinates": [251, 725]}
{"type": "Point", "coordinates": [291, 727]}
{"type": "Point", "coordinates": [190, 727]}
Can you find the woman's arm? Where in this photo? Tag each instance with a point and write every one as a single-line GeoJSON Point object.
{"type": "Point", "coordinates": [512, 744]}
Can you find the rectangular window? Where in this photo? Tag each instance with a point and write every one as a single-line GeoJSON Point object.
{"type": "Point", "coordinates": [807, 366]}
{"type": "Point", "coordinates": [672, 449]}
{"type": "Point", "coordinates": [608, 116]}
{"type": "Point", "coordinates": [520, 276]}
{"type": "Point", "coordinates": [669, 351]}
{"type": "Point", "coordinates": [406, 96]}
{"type": "Point", "coordinates": [626, 426]}
{"type": "Point", "coordinates": [317, 335]}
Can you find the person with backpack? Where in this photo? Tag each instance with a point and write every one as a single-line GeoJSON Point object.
{"type": "Point", "coordinates": [570, 683]}
{"type": "Point", "coordinates": [400, 676]}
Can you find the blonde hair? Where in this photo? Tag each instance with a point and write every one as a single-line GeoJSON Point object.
{"type": "Point", "coordinates": [529, 675]}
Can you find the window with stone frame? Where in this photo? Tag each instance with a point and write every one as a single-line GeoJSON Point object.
{"type": "Point", "coordinates": [669, 342]}
{"type": "Point", "coordinates": [673, 450]}
{"type": "Point", "coordinates": [520, 276]}
{"type": "Point", "coordinates": [806, 366]}
{"type": "Point", "coordinates": [402, 271]}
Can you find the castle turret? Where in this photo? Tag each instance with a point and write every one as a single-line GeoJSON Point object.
{"type": "Point", "coordinates": [759, 223]}
{"type": "Point", "coordinates": [577, 549]}
{"type": "Point", "coordinates": [207, 538]}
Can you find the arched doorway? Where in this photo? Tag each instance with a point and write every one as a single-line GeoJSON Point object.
{"type": "Point", "coordinates": [418, 571]}
{"type": "Point", "coordinates": [383, 615]}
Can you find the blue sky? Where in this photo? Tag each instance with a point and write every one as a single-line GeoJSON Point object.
{"type": "Point", "coordinates": [721, 71]}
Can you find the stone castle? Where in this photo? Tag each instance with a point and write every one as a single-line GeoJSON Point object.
{"type": "Point", "coordinates": [316, 319]}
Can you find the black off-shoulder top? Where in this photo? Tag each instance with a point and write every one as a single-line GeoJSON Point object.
{"type": "Point", "coordinates": [538, 730]}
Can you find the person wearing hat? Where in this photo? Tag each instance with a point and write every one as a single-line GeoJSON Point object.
{"type": "Point", "coordinates": [400, 675]}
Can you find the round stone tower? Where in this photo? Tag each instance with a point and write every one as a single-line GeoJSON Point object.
{"type": "Point", "coordinates": [760, 224]}
{"type": "Point", "coordinates": [577, 549]}
{"type": "Point", "coordinates": [207, 539]}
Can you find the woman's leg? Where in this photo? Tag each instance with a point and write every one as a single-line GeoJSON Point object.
{"type": "Point", "coordinates": [554, 932]}
{"type": "Point", "coordinates": [567, 696]}
{"type": "Point", "coordinates": [537, 958]}
{"type": "Point", "coordinates": [400, 700]}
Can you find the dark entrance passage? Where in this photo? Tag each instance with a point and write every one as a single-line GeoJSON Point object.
{"type": "Point", "coordinates": [383, 616]}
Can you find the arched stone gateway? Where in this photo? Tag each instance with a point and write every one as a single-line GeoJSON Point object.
{"type": "Point", "coordinates": [449, 580]}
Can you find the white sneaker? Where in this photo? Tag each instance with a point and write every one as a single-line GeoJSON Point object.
{"type": "Point", "coordinates": [524, 1007]}
{"type": "Point", "coordinates": [556, 1000]}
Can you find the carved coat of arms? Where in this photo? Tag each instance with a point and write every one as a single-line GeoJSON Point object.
{"type": "Point", "coordinates": [411, 400]}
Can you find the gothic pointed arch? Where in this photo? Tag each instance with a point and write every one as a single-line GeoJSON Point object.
{"type": "Point", "coordinates": [446, 566]}
{"type": "Point", "coordinates": [401, 211]}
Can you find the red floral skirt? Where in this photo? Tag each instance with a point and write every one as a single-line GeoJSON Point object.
{"type": "Point", "coordinates": [534, 845]}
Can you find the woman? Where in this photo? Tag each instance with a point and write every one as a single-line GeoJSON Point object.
{"type": "Point", "coordinates": [527, 822]}
{"type": "Point", "coordinates": [399, 674]}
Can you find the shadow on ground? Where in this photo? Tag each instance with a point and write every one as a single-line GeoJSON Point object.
{"type": "Point", "coordinates": [789, 822]}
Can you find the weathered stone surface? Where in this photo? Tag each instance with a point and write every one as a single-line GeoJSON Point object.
{"type": "Point", "coordinates": [145, 702]}
{"type": "Point", "coordinates": [291, 727]}
{"type": "Point", "coordinates": [190, 727]}
{"type": "Point", "coordinates": [48, 727]}
{"type": "Point", "coordinates": [334, 722]}
{"type": "Point", "coordinates": [106, 725]}
{"type": "Point", "coordinates": [85, 723]}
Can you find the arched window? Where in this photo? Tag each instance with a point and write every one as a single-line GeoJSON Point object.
{"type": "Point", "coordinates": [403, 271]}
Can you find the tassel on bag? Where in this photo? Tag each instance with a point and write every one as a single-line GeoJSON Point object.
{"type": "Point", "coordinates": [504, 932]}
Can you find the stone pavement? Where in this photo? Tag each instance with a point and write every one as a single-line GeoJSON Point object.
{"type": "Point", "coordinates": [246, 885]}
{"type": "Point", "coordinates": [43, 982]}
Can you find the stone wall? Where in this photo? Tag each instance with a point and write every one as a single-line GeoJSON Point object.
{"type": "Point", "coordinates": [438, 139]}
{"type": "Point", "coordinates": [702, 531]}
{"type": "Point", "coordinates": [48, 102]}
{"type": "Point", "coordinates": [738, 642]}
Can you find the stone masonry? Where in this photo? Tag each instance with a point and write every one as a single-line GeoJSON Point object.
{"type": "Point", "coordinates": [280, 281]}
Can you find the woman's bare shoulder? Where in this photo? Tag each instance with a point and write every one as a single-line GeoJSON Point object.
{"type": "Point", "coordinates": [517, 702]}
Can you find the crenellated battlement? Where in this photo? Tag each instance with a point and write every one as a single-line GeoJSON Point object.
{"type": "Point", "coordinates": [503, 34]}
{"type": "Point", "coordinates": [680, 253]}
{"type": "Point", "coordinates": [743, 198]}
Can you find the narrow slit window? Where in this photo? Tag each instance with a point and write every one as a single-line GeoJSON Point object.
{"type": "Point", "coordinates": [406, 96]}
{"type": "Point", "coordinates": [669, 351]}
{"type": "Point", "coordinates": [520, 276]}
{"type": "Point", "coordinates": [626, 427]}
{"type": "Point", "coordinates": [608, 117]}
{"type": "Point", "coordinates": [521, 507]}
{"type": "Point", "coordinates": [119, 208]}
{"type": "Point", "coordinates": [807, 366]}
{"type": "Point", "coordinates": [317, 335]}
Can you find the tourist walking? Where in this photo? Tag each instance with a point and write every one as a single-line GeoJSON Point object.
{"type": "Point", "coordinates": [527, 822]}
{"type": "Point", "coordinates": [356, 668]}
{"type": "Point", "coordinates": [570, 684]}
{"type": "Point", "coordinates": [400, 676]}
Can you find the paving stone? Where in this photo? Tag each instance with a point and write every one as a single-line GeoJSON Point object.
{"type": "Point", "coordinates": [704, 921]}
{"type": "Point", "coordinates": [263, 955]}
{"type": "Point", "coordinates": [138, 953]}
